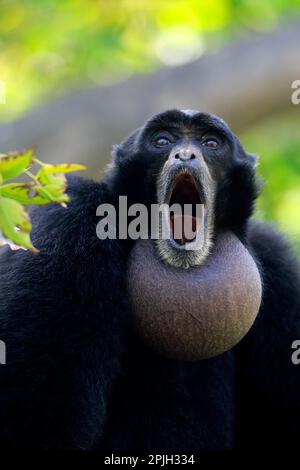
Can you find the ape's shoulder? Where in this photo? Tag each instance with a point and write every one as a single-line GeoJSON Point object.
{"type": "Point", "coordinates": [57, 228]}
{"type": "Point", "coordinates": [278, 262]}
{"type": "Point", "coordinates": [269, 243]}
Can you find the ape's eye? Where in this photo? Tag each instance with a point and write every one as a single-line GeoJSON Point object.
{"type": "Point", "coordinates": [161, 141]}
{"type": "Point", "coordinates": [210, 142]}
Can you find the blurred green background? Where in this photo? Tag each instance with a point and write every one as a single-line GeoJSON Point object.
{"type": "Point", "coordinates": [64, 61]}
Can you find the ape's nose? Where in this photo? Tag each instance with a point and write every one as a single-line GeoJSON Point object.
{"type": "Point", "coordinates": [184, 154]}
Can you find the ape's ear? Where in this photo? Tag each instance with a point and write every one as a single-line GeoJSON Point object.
{"type": "Point", "coordinates": [125, 148]}
{"type": "Point", "coordinates": [115, 174]}
{"type": "Point", "coordinates": [253, 159]}
{"type": "Point", "coordinates": [115, 151]}
{"type": "Point", "coordinates": [247, 158]}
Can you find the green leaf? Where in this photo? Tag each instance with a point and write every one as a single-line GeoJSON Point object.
{"type": "Point", "coordinates": [61, 168]}
{"type": "Point", "coordinates": [14, 164]}
{"type": "Point", "coordinates": [47, 178]}
{"type": "Point", "coordinates": [54, 174]}
{"type": "Point", "coordinates": [52, 193]}
{"type": "Point", "coordinates": [25, 193]}
{"type": "Point", "coordinates": [18, 191]}
{"type": "Point", "coordinates": [52, 187]}
{"type": "Point", "coordinates": [49, 185]}
{"type": "Point", "coordinates": [14, 223]}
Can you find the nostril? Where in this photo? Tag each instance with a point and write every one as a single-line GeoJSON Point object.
{"type": "Point", "coordinates": [177, 156]}
{"type": "Point", "coordinates": [193, 156]}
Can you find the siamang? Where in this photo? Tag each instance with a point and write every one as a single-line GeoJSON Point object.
{"type": "Point", "coordinates": [95, 362]}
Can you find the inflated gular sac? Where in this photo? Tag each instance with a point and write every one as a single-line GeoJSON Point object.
{"type": "Point", "coordinates": [199, 312]}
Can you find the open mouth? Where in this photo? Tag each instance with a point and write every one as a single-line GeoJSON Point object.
{"type": "Point", "coordinates": [186, 209]}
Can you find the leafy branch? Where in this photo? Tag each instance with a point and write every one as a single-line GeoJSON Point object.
{"type": "Point", "coordinates": [46, 186]}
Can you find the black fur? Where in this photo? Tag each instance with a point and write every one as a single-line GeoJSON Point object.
{"type": "Point", "coordinates": [77, 376]}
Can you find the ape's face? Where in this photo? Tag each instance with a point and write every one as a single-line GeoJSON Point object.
{"type": "Point", "coordinates": [187, 158]}
{"type": "Point", "coordinates": [204, 309]}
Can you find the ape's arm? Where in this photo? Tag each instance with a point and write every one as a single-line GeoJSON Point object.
{"type": "Point", "coordinates": [269, 381]}
{"type": "Point", "coordinates": [63, 318]}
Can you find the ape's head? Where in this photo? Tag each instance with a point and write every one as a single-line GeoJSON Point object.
{"type": "Point", "coordinates": [195, 294]}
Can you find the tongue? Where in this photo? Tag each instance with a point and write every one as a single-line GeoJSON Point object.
{"type": "Point", "coordinates": [184, 228]}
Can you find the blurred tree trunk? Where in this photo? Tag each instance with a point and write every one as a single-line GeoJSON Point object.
{"type": "Point", "coordinates": [243, 82]}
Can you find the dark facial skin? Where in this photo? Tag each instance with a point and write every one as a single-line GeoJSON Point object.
{"type": "Point", "coordinates": [203, 144]}
{"type": "Point", "coordinates": [175, 130]}
{"type": "Point", "coordinates": [179, 130]}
